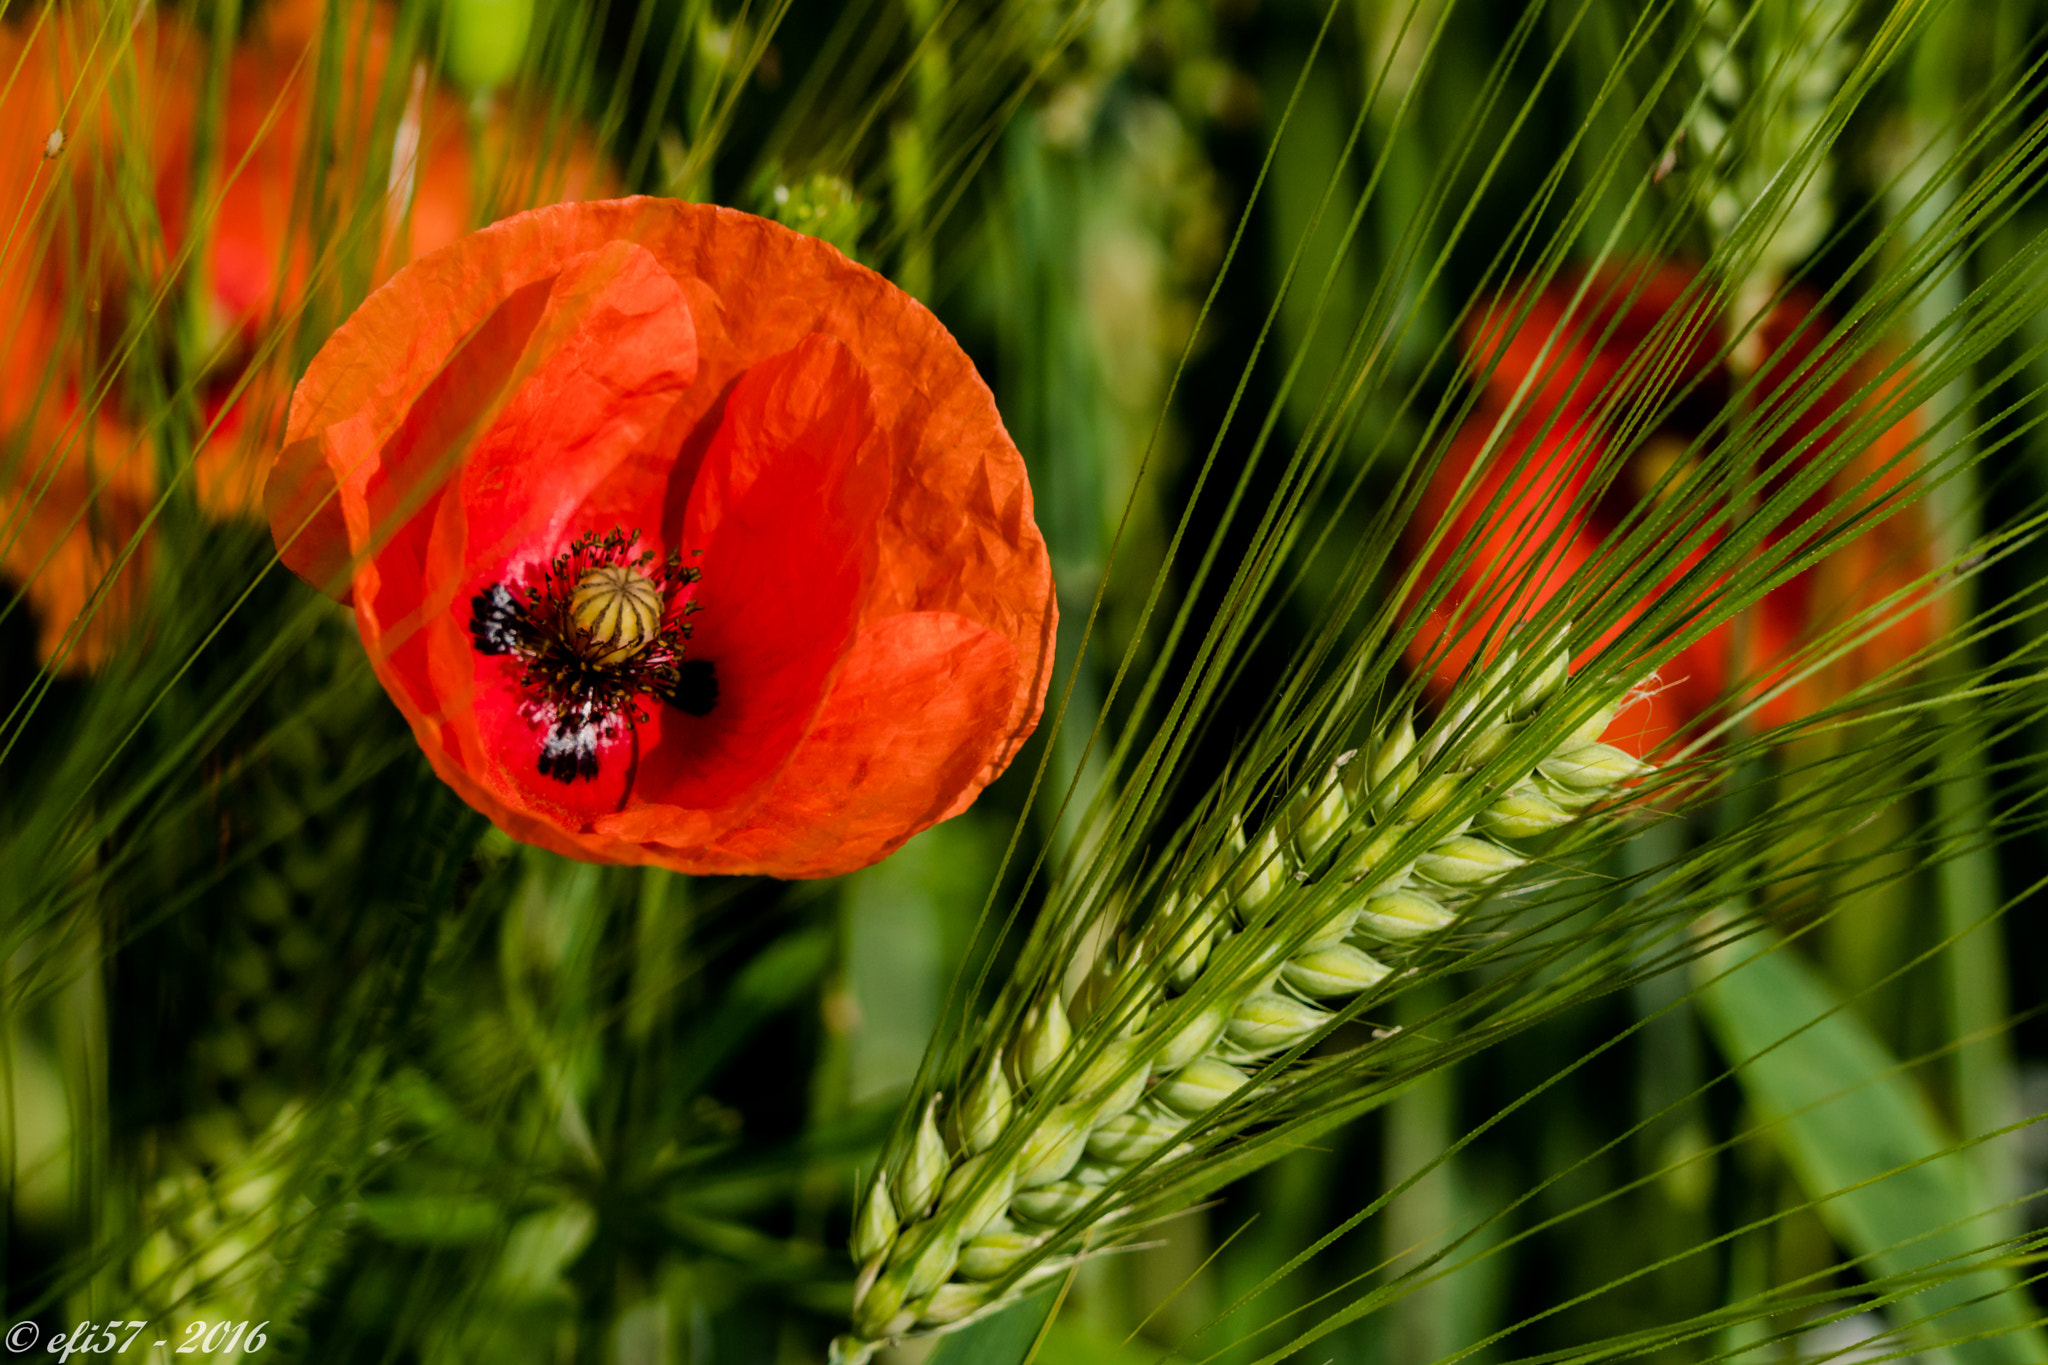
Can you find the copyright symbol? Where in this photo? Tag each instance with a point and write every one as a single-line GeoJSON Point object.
{"type": "Point", "coordinates": [22, 1337]}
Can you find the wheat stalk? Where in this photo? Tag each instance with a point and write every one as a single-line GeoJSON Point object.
{"type": "Point", "coordinates": [1769, 74]}
{"type": "Point", "coordinates": [1260, 948]}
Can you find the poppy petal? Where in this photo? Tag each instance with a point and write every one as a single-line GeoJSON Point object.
{"type": "Point", "coordinates": [836, 465]}
{"type": "Point", "coordinates": [926, 684]}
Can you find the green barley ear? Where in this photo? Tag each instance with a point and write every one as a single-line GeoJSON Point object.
{"type": "Point", "coordinates": [980, 1118]}
{"type": "Point", "coordinates": [244, 1237]}
{"type": "Point", "coordinates": [1251, 954]}
{"type": "Point", "coordinates": [1757, 134]}
{"type": "Point", "coordinates": [924, 1166]}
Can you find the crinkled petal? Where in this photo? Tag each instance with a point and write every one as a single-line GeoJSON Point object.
{"type": "Point", "coordinates": [804, 561]}
{"type": "Point", "coordinates": [904, 731]}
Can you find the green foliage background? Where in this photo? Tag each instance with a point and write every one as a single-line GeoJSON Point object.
{"type": "Point", "coordinates": [292, 1035]}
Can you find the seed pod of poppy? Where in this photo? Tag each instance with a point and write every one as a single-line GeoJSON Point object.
{"type": "Point", "coordinates": [951, 1302]}
{"type": "Point", "coordinates": [994, 1254]}
{"type": "Point", "coordinates": [981, 1117]}
{"type": "Point", "coordinates": [1055, 1203]}
{"type": "Point", "coordinates": [1262, 875]}
{"type": "Point", "coordinates": [1592, 768]}
{"type": "Point", "coordinates": [1270, 1020]}
{"type": "Point", "coordinates": [875, 1226]}
{"type": "Point", "coordinates": [1201, 1085]}
{"type": "Point", "coordinates": [618, 608]}
{"type": "Point", "coordinates": [1135, 1136]}
{"type": "Point", "coordinates": [1402, 915]}
{"type": "Point", "coordinates": [1522, 813]}
{"type": "Point", "coordinates": [1045, 1040]}
{"type": "Point", "coordinates": [1114, 1066]}
{"type": "Point", "coordinates": [1194, 1037]}
{"type": "Point", "coordinates": [969, 1210]}
{"type": "Point", "coordinates": [1465, 861]}
{"type": "Point", "coordinates": [923, 1172]}
{"type": "Point", "coordinates": [1338, 970]}
{"type": "Point", "coordinates": [1055, 1145]}
{"type": "Point", "coordinates": [926, 1254]}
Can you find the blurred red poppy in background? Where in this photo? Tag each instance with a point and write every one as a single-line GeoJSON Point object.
{"type": "Point", "coordinates": [677, 537]}
{"type": "Point", "coordinates": [75, 488]}
{"type": "Point", "coordinates": [1558, 376]}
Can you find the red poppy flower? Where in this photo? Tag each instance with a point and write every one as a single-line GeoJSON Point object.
{"type": "Point", "coordinates": [75, 488]}
{"type": "Point", "coordinates": [1554, 379]}
{"type": "Point", "coordinates": [677, 537]}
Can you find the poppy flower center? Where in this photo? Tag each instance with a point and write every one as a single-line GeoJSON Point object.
{"type": "Point", "coordinates": [619, 609]}
{"type": "Point", "coordinates": [600, 630]}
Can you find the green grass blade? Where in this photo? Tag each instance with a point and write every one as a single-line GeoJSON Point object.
{"type": "Point", "coordinates": [1862, 1138]}
{"type": "Point", "coordinates": [1004, 1338]}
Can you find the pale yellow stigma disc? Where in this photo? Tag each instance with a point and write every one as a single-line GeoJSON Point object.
{"type": "Point", "coordinates": [619, 608]}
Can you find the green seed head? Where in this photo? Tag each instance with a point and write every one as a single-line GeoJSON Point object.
{"type": "Point", "coordinates": [1216, 871]}
{"type": "Point", "coordinates": [1540, 687]}
{"type": "Point", "coordinates": [994, 1254]}
{"type": "Point", "coordinates": [1045, 1040]}
{"type": "Point", "coordinates": [1401, 915]}
{"type": "Point", "coordinates": [975, 1195]}
{"type": "Point", "coordinates": [1055, 1145]}
{"type": "Point", "coordinates": [1523, 813]}
{"type": "Point", "coordinates": [879, 1312]}
{"type": "Point", "coordinates": [1201, 1085]}
{"type": "Point", "coordinates": [1189, 928]}
{"type": "Point", "coordinates": [875, 1227]}
{"type": "Point", "coordinates": [1113, 1079]}
{"type": "Point", "coordinates": [1055, 1203]}
{"type": "Point", "coordinates": [1270, 1020]}
{"type": "Point", "coordinates": [1322, 818]}
{"type": "Point", "coordinates": [1433, 796]}
{"type": "Point", "coordinates": [1263, 874]}
{"type": "Point", "coordinates": [1193, 1038]}
{"type": "Point", "coordinates": [1592, 768]}
{"type": "Point", "coordinates": [1466, 862]}
{"type": "Point", "coordinates": [1595, 725]}
{"type": "Point", "coordinates": [1372, 867]}
{"type": "Point", "coordinates": [1135, 1136]}
{"type": "Point", "coordinates": [1338, 970]}
{"type": "Point", "coordinates": [930, 1251]}
{"type": "Point", "coordinates": [1335, 928]}
{"type": "Point", "coordinates": [980, 1119]}
{"type": "Point", "coordinates": [1465, 725]}
{"type": "Point", "coordinates": [951, 1302]}
{"type": "Point", "coordinates": [485, 40]}
{"type": "Point", "coordinates": [924, 1166]}
{"type": "Point", "coordinates": [1389, 772]}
